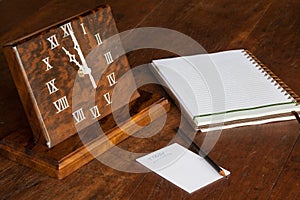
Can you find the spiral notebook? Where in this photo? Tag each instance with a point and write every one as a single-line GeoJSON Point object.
{"type": "Point", "coordinates": [226, 89]}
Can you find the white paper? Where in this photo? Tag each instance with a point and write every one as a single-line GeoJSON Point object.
{"type": "Point", "coordinates": [181, 167]}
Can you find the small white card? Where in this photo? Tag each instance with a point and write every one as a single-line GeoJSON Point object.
{"type": "Point", "coordinates": [181, 167]}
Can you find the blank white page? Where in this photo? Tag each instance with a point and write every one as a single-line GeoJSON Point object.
{"type": "Point", "coordinates": [243, 86]}
{"type": "Point", "coordinates": [185, 81]}
{"type": "Point", "coordinates": [182, 167]}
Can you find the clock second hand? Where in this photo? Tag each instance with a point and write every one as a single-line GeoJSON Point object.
{"type": "Point", "coordinates": [87, 70]}
{"type": "Point", "coordinates": [92, 80]}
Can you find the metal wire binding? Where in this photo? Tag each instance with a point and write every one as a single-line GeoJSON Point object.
{"type": "Point", "coordinates": [272, 77]}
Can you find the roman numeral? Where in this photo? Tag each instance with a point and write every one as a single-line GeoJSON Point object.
{"type": "Point", "coordinates": [61, 104]}
{"type": "Point", "coordinates": [107, 98]}
{"type": "Point", "coordinates": [95, 112]}
{"type": "Point", "coordinates": [67, 28]}
{"type": "Point", "coordinates": [46, 61]}
{"type": "Point", "coordinates": [78, 115]}
{"type": "Point", "coordinates": [98, 38]}
{"type": "Point", "coordinates": [111, 79]}
{"type": "Point", "coordinates": [108, 58]}
{"type": "Point", "coordinates": [83, 28]}
{"type": "Point", "coordinates": [53, 41]}
{"type": "Point", "coordinates": [51, 87]}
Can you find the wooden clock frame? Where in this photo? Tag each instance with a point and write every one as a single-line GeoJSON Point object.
{"type": "Point", "coordinates": [66, 153]}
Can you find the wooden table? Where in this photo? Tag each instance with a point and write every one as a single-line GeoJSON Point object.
{"type": "Point", "coordinates": [264, 160]}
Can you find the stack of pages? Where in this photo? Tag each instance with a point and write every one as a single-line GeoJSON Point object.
{"type": "Point", "coordinates": [226, 89]}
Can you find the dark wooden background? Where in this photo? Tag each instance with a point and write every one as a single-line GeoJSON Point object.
{"type": "Point", "coordinates": [264, 160]}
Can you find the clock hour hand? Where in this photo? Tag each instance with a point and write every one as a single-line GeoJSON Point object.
{"type": "Point", "coordinates": [73, 59]}
{"type": "Point", "coordinates": [82, 71]}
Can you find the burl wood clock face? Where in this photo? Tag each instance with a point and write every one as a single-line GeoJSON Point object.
{"type": "Point", "coordinates": [49, 62]}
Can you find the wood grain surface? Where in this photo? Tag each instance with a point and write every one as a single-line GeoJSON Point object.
{"type": "Point", "coordinates": [263, 160]}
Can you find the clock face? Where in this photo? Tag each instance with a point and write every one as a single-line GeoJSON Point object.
{"type": "Point", "coordinates": [74, 52]}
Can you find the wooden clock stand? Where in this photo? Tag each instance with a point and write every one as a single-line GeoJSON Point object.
{"type": "Point", "coordinates": [71, 154]}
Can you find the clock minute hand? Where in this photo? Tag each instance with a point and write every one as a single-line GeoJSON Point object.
{"type": "Point", "coordinates": [84, 67]}
{"type": "Point", "coordinates": [77, 48]}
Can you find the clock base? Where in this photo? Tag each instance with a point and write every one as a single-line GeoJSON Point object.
{"type": "Point", "coordinates": [71, 154]}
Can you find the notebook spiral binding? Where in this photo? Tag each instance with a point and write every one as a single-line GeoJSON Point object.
{"type": "Point", "coordinates": [271, 76]}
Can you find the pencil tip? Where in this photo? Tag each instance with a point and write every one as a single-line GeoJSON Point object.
{"type": "Point", "coordinates": [222, 173]}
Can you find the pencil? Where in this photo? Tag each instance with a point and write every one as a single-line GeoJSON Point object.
{"type": "Point", "coordinates": [201, 153]}
{"type": "Point", "coordinates": [297, 116]}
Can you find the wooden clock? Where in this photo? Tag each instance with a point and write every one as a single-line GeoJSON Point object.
{"type": "Point", "coordinates": [47, 63]}
{"type": "Point", "coordinates": [45, 67]}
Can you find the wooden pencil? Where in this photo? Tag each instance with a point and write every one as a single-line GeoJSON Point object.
{"type": "Point", "coordinates": [201, 153]}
